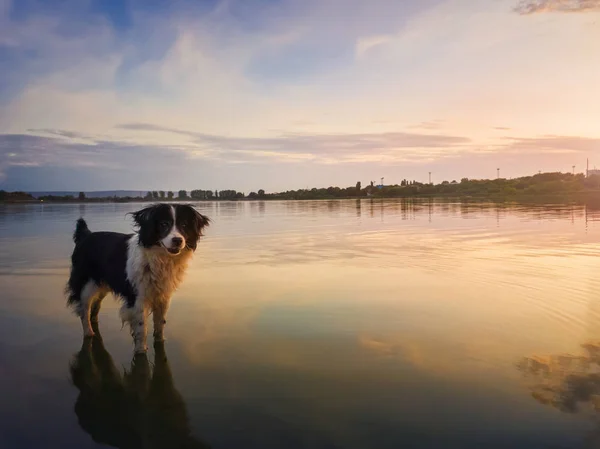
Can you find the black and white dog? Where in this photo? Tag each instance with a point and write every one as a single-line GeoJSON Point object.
{"type": "Point", "coordinates": [143, 269]}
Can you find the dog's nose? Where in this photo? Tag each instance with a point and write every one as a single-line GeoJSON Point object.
{"type": "Point", "coordinates": [177, 241]}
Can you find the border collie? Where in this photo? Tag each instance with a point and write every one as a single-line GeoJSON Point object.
{"type": "Point", "coordinates": [143, 269]}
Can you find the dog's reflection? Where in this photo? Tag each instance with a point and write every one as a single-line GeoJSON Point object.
{"type": "Point", "coordinates": [137, 409]}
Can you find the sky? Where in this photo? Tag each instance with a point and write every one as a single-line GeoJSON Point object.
{"type": "Point", "coordinates": [288, 94]}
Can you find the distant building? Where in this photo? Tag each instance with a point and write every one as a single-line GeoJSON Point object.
{"type": "Point", "coordinates": [593, 172]}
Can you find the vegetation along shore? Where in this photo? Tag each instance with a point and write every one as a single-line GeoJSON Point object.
{"type": "Point", "coordinates": [559, 186]}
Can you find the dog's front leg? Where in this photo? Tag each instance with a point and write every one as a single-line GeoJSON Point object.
{"type": "Point", "coordinates": [139, 326]}
{"type": "Point", "coordinates": [159, 313]}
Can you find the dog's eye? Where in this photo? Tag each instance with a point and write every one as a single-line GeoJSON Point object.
{"type": "Point", "coordinates": [183, 226]}
{"type": "Point", "coordinates": [164, 224]}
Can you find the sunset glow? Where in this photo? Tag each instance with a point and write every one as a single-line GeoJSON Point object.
{"type": "Point", "coordinates": [282, 94]}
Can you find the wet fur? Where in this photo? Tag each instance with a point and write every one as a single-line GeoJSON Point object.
{"type": "Point", "coordinates": [142, 269]}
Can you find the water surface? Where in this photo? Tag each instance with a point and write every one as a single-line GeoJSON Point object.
{"type": "Point", "coordinates": [318, 324]}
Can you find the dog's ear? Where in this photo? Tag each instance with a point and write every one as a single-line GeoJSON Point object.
{"type": "Point", "coordinates": [145, 223]}
{"type": "Point", "coordinates": [202, 221]}
{"type": "Point", "coordinates": [196, 223]}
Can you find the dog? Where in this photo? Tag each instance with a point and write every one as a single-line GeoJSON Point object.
{"type": "Point", "coordinates": [143, 269]}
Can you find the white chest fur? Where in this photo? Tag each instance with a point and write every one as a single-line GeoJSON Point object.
{"type": "Point", "coordinates": [154, 273]}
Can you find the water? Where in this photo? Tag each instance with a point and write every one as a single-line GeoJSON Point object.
{"type": "Point", "coordinates": [326, 324]}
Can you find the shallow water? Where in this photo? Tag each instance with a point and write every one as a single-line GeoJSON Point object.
{"type": "Point", "coordinates": [325, 324]}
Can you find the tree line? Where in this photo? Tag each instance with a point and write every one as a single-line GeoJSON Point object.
{"type": "Point", "coordinates": [542, 184]}
{"type": "Point", "coordinates": [199, 195]}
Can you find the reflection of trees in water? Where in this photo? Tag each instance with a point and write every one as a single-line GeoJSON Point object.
{"type": "Point", "coordinates": [592, 213]}
{"type": "Point", "coordinates": [229, 208]}
{"type": "Point", "coordinates": [568, 382]}
{"type": "Point", "coordinates": [411, 208]}
{"type": "Point", "coordinates": [257, 208]}
{"type": "Point", "coordinates": [140, 408]}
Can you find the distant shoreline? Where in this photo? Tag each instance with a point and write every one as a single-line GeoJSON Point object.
{"type": "Point", "coordinates": [541, 187]}
{"type": "Point", "coordinates": [566, 197]}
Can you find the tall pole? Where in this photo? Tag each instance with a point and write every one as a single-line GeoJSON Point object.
{"type": "Point", "coordinates": [429, 177]}
{"type": "Point", "coordinates": [573, 169]}
{"type": "Point", "coordinates": [497, 173]}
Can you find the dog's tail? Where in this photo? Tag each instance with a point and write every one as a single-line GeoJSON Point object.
{"type": "Point", "coordinates": [81, 231]}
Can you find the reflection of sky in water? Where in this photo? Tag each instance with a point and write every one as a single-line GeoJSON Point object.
{"type": "Point", "coordinates": [320, 324]}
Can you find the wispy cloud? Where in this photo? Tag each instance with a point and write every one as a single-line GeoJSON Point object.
{"type": "Point", "coordinates": [539, 6]}
{"type": "Point", "coordinates": [391, 146]}
{"type": "Point", "coordinates": [551, 145]}
{"type": "Point", "coordinates": [26, 150]}
{"type": "Point", "coordinates": [74, 149]}
{"type": "Point", "coordinates": [63, 133]}
{"type": "Point", "coordinates": [364, 44]}
{"type": "Point", "coordinates": [430, 125]}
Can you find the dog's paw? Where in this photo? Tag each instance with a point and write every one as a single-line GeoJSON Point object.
{"type": "Point", "coordinates": [141, 349]}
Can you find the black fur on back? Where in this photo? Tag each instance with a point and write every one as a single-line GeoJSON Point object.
{"type": "Point", "coordinates": [102, 258]}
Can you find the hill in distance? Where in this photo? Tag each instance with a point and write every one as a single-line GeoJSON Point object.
{"type": "Point", "coordinates": [96, 194]}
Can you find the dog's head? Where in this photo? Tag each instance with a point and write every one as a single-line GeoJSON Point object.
{"type": "Point", "coordinates": [172, 226]}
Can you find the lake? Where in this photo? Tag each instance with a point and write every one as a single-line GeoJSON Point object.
{"type": "Point", "coordinates": [318, 324]}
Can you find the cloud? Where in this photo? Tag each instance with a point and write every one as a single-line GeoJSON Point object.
{"type": "Point", "coordinates": [364, 44]}
{"type": "Point", "coordinates": [339, 148]}
{"type": "Point", "coordinates": [64, 148]}
{"type": "Point", "coordinates": [26, 150]}
{"type": "Point", "coordinates": [63, 133]}
{"type": "Point", "coordinates": [432, 124]}
{"type": "Point", "coordinates": [552, 144]}
{"type": "Point", "coordinates": [526, 7]}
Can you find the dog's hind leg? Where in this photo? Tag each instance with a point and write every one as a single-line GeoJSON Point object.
{"type": "Point", "coordinates": [96, 304]}
{"type": "Point", "coordinates": [86, 300]}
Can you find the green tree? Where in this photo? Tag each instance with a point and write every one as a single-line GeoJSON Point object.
{"type": "Point", "coordinates": [358, 186]}
{"type": "Point", "coordinates": [182, 195]}
{"type": "Point", "coordinates": [201, 194]}
{"type": "Point", "coordinates": [170, 195]}
{"type": "Point", "coordinates": [162, 194]}
{"type": "Point", "coordinates": [148, 196]}
{"type": "Point", "coordinates": [228, 195]}
{"type": "Point", "coordinates": [81, 196]}
{"type": "Point", "coordinates": [155, 194]}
